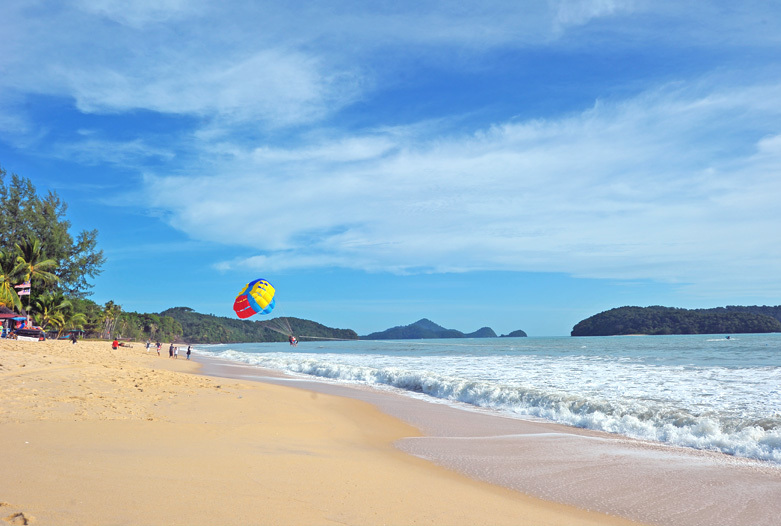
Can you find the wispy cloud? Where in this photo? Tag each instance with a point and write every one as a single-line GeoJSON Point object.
{"type": "Point", "coordinates": [95, 150]}
{"type": "Point", "coordinates": [674, 185]}
{"type": "Point", "coordinates": [674, 182]}
{"type": "Point", "coordinates": [275, 66]}
{"type": "Point", "coordinates": [139, 13]}
{"type": "Point", "coordinates": [579, 12]}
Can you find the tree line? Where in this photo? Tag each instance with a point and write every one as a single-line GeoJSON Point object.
{"type": "Point", "coordinates": [45, 271]}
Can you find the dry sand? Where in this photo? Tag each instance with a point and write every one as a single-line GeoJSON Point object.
{"type": "Point", "coordinates": [92, 435]}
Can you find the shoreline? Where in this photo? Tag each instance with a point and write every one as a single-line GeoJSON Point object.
{"type": "Point", "coordinates": [99, 436]}
{"type": "Point", "coordinates": [645, 481]}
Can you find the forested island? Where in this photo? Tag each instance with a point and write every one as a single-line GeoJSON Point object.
{"type": "Point", "coordinates": [658, 320]}
{"type": "Point", "coordinates": [425, 329]}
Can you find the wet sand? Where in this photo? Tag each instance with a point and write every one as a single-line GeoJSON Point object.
{"type": "Point", "coordinates": [644, 481]}
{"type": "Point", "coordinates": [92, 435]}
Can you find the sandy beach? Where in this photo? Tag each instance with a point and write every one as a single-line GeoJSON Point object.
{"type": "Point", "coordinates": [93, 435]}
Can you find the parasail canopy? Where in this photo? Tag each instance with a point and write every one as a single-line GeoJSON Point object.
{"type": "Point", "coordinates": [257, 297]}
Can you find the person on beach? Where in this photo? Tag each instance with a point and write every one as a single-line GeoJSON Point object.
{"type": "Point", "coordinates": [188, 352]}
{"type": "Point", "coordinates": [171, 351]}
{"type": "Point", "coordinates": [158, 347]}
{"type": "Point", "coordinates": [73, 338]}
{"type": "Point", "coordinates": [176, 353]}
{"type": "Point", "coordinates": [115, 344]}
{"type": "Point", "coordinates": [148, 344]}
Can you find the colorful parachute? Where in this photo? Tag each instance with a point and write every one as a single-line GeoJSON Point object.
{"type": "Point", "coordinates": [257, 297]}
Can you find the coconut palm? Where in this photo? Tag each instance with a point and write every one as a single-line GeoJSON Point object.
{"type": "Point", "coordinates": [8, 278]}
{"type": "Point", "coordinates": [72, 320]}
{"type": "Point", "coordinates": [54, 310]}
{"type": "Point", "coordinates": [93, 318]}
{"type": "Point", "coordinates": [48, 309]}
{"type": "Point", "coordinates": [67, 320]}
{"type": "Point", "coordinates": [32, 263]}
{"type": "Point", "coordinates": [111, 314]}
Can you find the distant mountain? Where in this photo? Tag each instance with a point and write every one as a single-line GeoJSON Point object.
{"type": "Point", "coordinates": [669, 320]}
{"type": "Point", "coordinates": [515, 334]}
{"type": "Point", "coordinates": [207, 328]}
{"type": "Point", "coordinates": [424, 329]}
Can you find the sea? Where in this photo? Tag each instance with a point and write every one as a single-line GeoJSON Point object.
{"type": "Point", "coordinates": [706, 392]}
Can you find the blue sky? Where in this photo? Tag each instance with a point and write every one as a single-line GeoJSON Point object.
{"type": "Point", "coordinates": [518, 164]}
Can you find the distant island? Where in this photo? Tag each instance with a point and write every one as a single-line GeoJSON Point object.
{"type": "Point", "coordinates": [183, 324]}
{"type": "Point", "coordinates": [515, 334]}
{"type": "Point", "coordinates": [426, 329]}
{"type": "Point", "coordinates": [658, 320]}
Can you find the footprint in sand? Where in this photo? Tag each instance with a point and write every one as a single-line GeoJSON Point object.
{"type": "Point", "coordinates": [16, 518]}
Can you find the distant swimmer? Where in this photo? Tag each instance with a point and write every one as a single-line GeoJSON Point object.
{"type": "Point", "coordinates": [292, 340]}
{"type": "Point", "coordinates": [728, 337]}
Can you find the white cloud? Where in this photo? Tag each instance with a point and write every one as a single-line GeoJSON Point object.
{"type": "Point", "coordinates": [272, 66]}
{"type": "Point", "coordinates": [138, 13]}
{"type": "Point", "coordinates": [166, 57]}
{"type": "Point", "coordinates": [676, 184]}
{"type": "Point", "coordinates": [639, 189]}
{"type": "Point", "coordinates": [579, 12]}
{"type": "Point", "coordinates": [95, 150]}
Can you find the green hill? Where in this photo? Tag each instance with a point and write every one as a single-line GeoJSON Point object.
{"type": "Point", "coordinates": [668, 320]}
{"type": "Point", "coordinates": [207, 328]}
{"type": "Point", "coordinates": [424, 329]}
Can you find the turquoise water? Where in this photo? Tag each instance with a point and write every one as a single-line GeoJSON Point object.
{"type": "Point", "coordinates": [705, 392]}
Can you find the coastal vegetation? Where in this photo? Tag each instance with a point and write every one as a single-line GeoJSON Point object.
{"type": "Point", "coordinates": [44, 270]}
{"type": "Point", "coordinates": [35, 229]}
{"type": "Point", "coordinates": [669, 320]}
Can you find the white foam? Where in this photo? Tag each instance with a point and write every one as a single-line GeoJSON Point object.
{"type": "Point", "coordinates": [726, 409]}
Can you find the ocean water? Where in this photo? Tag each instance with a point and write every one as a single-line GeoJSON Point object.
{"type": "Point", "coordinates": [698, 391]}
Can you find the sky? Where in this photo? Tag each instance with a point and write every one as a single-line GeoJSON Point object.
{"type": "Point", "coordinates": [513, 164]}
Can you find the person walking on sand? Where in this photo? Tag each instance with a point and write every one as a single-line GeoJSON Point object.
{"type": "Point", "coordinates": [171, 351]}
{"type": "Point", "coordinates": [148, 344]}
{"type": "Point", "coordinates": [158, 347]}
{"type": "Point", "coordinates": [188, 352]}
{"type": "Point", "coordinates": [176, 353]}
{"type": "Point", "coordinates": [73, 338]}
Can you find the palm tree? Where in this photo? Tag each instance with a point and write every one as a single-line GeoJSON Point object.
{"type": "Point", "coordinates": [111, 314]}
{"type": "Point", "coordinates": [54, 310]}
{"type": "Point", "coordinates": [49, 309]}
{"type": "Point", "coordinates": [8, 278]}
{"type": "Point", "coordinates": [68, 319]}
{"type": "Point", "coordinates": [93, 319]}
{"type": "Point", "coordinates": [71, 320]}
{"type": "Point", "coordinates": [32, 264]}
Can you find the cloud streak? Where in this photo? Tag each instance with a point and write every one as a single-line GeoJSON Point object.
{"type": "Point", "coordinates": [670, 185]}
{"type": "Point", "coordinates": [670, 180]}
